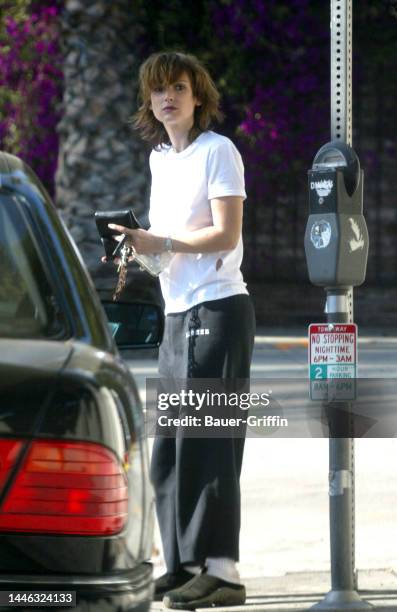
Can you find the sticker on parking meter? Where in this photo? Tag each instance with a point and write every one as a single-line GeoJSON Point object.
{"type": "Point", "coordinates": [332, 361]}
{"type": "Point", "coordinates": [320, 234]}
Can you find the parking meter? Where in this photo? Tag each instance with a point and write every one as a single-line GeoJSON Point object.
{"type": "Point", "coordinates": [336, 237]}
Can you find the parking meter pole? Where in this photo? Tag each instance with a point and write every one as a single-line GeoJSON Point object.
{"type": "Point", "coordinates": [327, 232]}
{"type": "Point", "coordinates": [343, 594]}
{"type": "Point", "coordinates": [339, 309]}
{"type": "Point", "coordinates": [341, 492]}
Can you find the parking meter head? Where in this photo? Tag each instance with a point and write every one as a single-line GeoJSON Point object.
{"type": "Point", "coordinates": [336, 237]}
{"type": "Point", "coordinates": [338, 154]}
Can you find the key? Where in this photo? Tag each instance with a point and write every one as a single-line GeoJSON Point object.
{"type": "Point", "coordinates": [123, 258]}
{"type": "Point", "coordinates": [125, 255]}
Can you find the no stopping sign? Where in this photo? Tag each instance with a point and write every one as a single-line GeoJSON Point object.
{"type": "Point", "coordinates": [332, 356]}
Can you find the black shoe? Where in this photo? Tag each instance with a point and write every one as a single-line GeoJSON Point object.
{"type": "Point", "coordinates": [205, 591]}
{"type": "Point", "coordinates": [169, 581]}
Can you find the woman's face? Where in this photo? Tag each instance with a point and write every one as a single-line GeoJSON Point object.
{"type": "Point", "coordinates": [174, 104]}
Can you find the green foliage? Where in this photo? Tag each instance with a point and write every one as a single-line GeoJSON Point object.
{"type": "Point", "coordinates": [17, 9]}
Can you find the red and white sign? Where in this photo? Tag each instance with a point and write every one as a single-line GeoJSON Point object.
{"type": "Point", "coordinates": [332, 350]}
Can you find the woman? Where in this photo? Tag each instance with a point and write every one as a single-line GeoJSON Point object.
{"type": "Point", "coordinates": [196, 209]}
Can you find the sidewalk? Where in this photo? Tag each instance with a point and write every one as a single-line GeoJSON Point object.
{"type": "Point", "coordinates": [298, 592]}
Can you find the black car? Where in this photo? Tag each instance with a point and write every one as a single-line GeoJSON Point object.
{"type": "Point", "coordinates": [75, 499]}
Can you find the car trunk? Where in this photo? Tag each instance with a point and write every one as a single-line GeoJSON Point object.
{"type": "Point", "coordinates": [65, 451]}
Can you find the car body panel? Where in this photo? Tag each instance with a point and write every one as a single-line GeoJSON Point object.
{"type": "Point", "coordinates": [131, 590]}
{"type": "Point", "coordinates": [71, 386]}
{"type": "Point", "coordinates": [28, 371]}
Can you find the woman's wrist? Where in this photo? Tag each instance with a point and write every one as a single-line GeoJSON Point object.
{"type": "Point", "coordinates": [167, 244]}
{"type": "Point", "coordinates": [162, 244]}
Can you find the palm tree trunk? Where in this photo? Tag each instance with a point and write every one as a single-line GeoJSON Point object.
{"type": "Point", "coordinates": [102, 163]}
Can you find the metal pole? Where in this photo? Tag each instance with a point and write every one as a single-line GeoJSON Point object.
{"type": "Point", "coordinates": [341, 70]}
{"type": "Point", "coordinates": [339, 309]}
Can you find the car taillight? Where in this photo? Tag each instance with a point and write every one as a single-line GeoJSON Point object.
{"type": "Point", "coordinates": [67, 488]}
{"type": "Point", "coordinates": [9, 451]}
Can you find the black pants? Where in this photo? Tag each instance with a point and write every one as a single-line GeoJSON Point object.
{"type": "Point", "coordinates": [196, 480]}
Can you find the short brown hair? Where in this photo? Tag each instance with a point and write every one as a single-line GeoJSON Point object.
{"type": "Point", "coordinates": [165, 68]}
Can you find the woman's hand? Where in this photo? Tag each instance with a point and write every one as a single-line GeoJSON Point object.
{"type": "Point", "coordinates": [143, 241]}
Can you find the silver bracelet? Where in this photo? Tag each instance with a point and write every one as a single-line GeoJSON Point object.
{"type": "Point", "coordinates": [168, 244]}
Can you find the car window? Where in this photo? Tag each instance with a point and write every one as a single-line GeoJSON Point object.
{"type": "Point", "coordinates": [28, 306]}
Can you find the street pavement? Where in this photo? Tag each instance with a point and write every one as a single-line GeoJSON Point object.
{"type": "Point", "coordinates": [284, 543]}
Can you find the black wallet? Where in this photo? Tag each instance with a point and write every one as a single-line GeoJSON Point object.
{"type": "Point", "coordinates": [118, 217]}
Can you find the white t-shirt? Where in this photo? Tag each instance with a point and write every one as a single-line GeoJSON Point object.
{"type": "Point", "coordinates": [182, 186]}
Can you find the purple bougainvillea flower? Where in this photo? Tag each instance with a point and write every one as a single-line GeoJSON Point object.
{"type": "Point", "coordinates": [31, 83]}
